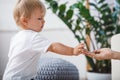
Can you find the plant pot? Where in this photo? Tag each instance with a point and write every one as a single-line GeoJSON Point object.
{"type": "Point", "coordinates": [98, 76]}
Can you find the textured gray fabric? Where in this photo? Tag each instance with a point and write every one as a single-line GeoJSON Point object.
{"type": "Point", "coordinates": [56, 69]}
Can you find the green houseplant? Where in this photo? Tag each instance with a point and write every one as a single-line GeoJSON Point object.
{"type": "Point", "coordinates": [80, 21]}
{"type": "Point", "coordinates": [116, 13]}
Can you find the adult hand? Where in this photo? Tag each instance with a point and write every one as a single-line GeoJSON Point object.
{"type": "Point", "coordinates": [101, 54]}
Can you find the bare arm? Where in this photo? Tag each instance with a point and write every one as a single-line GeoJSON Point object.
{"type": "Point", "coordinates": [65, 50]}
{"type": "Point", "coordinates": [104, 53]}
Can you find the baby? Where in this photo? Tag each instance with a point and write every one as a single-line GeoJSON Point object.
{"type": "Point", "coordinates": [27, 45]}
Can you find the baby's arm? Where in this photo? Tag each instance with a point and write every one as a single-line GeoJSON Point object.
{"type": "Point", "coordinates": [65, 50]}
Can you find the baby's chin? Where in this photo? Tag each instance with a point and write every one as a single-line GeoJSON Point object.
{"type": "Point", "coordinates": [39, 30]}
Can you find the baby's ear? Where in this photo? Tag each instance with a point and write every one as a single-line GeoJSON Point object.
{"type": "Point", "coordinates": [23, 20]}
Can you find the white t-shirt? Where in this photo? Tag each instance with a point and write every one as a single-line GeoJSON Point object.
{"type": "Point", "coordinates": [26, 48]}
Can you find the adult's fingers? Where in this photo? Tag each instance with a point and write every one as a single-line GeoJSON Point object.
{"type": "Point", "coordinates": [97, 51]}
{"type": "Point", "coordinates": [91, 54]}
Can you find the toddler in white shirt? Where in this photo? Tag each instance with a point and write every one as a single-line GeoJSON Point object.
{"type": "Point", "coordinates": [27, 45]}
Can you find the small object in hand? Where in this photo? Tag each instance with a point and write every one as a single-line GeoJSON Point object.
{"type": "Point", "coordinates": [97, 52]}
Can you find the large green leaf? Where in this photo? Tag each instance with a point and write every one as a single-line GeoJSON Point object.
{"type": "Point", "coordinates": [69, 14]}
{"type": "Point", "coordinates": [54, 6]}
{"type": "Point", "coordinates": [62, 8]}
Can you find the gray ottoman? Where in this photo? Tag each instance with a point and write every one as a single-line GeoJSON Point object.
{"type": "Point", "coordinates": [56, 69]}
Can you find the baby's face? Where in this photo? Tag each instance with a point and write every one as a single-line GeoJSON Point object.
{"type": "Point", "coordinates": [36, 21]}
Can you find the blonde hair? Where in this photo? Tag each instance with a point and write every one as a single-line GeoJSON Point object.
{"type": "Point", "coordinates": [24, 8]}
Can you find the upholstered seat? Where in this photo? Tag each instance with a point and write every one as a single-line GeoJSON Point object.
{"type": "Point", "coordinates": [56, 69]}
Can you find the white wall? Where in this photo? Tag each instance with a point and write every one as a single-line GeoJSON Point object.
{"type": "Point", "coordinates": [4, 47]}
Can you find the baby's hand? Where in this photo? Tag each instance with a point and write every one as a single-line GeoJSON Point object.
{"type": "Point", "coordinates": [78, 49]}
{"type": "Point", "coordinates": [85, 51]}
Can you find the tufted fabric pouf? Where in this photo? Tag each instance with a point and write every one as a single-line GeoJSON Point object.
{"type": "Point", "coordinates": [56, 69]}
